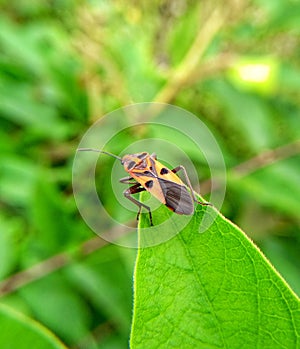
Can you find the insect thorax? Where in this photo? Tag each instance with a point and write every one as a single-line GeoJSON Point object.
{"type": "Point", "coordinates": [137, 161]}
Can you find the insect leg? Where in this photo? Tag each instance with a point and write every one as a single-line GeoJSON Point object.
{"type": "Point", "coordinates": [128, 180]}
{"type": "Point", "coordinates": [134, 190]}
{"type": "Point", "coordinates": [180, 167]}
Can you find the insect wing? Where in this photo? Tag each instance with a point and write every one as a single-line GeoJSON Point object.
{"type": "Point", "coordinates": [165, 173]}
{"type": "Point", "coordinates": [165, 185]}
{"type": "Point", "coordinates": [151, 184]}
{"type": "Point", "coordinates": [177, 197]}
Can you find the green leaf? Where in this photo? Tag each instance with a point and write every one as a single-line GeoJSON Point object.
{"type": "Point", "coordinates": [211, 289]}
{"type": "Point", "coordinates": [273, 186]}
{"type": "Point", "coordinates": [58, 297]}
{"type": "Point", "coordinates": [46, 203]}
{"type": "Point", "coordinates": [9, 228]}
{"type": "Point", "coordinates": [95, 274]}
{"type": "Point", "coordinates": [15, 169]}
{"type": "Point", "coordinates": [184, 30]}
{"type": "Point", "coordinates": [250, 114]}
{"type": "Point", "coordinates": [19, 331]}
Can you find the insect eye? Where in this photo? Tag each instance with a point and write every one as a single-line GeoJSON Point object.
{"type": "Point", "coordinates": [164, 171]}
{"type": "Point", "coordinates": [131, 165]}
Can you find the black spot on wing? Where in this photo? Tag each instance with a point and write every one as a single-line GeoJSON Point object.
{"type": "Point", "coordinates": [177, 197]}
{"type": "Point", "coordinates": [164, 171]}
{"type": "Point", "coordinates": [149, 184]}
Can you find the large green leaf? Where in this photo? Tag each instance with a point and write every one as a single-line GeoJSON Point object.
{"type": "Point", "coordinates": [213, 289]}
{"type": "Point", "coordinates": [19, 331]}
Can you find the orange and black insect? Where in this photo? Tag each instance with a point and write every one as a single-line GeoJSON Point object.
{"type": "Point", "coordinates": [146, 173]}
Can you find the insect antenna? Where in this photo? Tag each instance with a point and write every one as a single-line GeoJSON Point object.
{"type": "Point", "coordinates": [100, 151]}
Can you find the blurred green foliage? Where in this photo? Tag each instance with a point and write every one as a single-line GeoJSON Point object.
{"type": "Point", "coordinates": [64, 64]}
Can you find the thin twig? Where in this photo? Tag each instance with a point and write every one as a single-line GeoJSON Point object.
{"type": "Point", "coordinates": [266, 158]}
{"type": "Point", "coordinates": [39, 270]}
{"type": "Point", "coordinates": [259, 161]}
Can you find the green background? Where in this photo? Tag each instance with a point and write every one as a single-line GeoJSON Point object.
{"type": "Point", "coordinates": [64, 64]}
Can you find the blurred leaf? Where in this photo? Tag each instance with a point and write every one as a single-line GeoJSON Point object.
{"type": "Point", "coordinates": [275, 186]}
{"type": "Point", "coordinates": [288, 78]}
{"type": "Point", "coordinates": [210, 290]}
{"type": "Point", "coordinates": [23, 108]}
{"type": "Point", "coordinates": [182, 30]}
{"type": "Point", "coordinates": [94, 279]}
{"type": "Point", "coordinates": [17, 179]}
{"type": "Point", "coordinates": [286, 16]}
{"type": "Point", "coordinates": [113, 342]}
{"type": "Point", "coordinates": [19, 331]}
{"type": "Point", "coordinates": [186, 143]}
{"type": "Point", "coordinates": [140, 78]}
{"type": "Point", "coordinates": [9, 228]}
{"type": "Point", "coordinates": [250, 114]}
{"type": "Point", "coordinates": [21, 47]}
{"type": "Point", "coordinates": [53, 302]}
{"type": "Point", "coordinates": [51, 234]}
{"type": "Point", "coordinates": [51, 78]}
{"type": "Point", "coordinates": [288, 119]}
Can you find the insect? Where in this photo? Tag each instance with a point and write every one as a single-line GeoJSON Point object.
{"type": "Point", "coordinates": [147, 173]}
